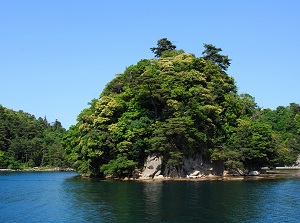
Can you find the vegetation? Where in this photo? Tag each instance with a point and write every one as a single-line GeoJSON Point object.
{"type": "Point", "coordinates": [27, 142]}
{"type": "Point", "coordinates": [163, 45]}
{"type": "Point", "coordinates": [177, 106]}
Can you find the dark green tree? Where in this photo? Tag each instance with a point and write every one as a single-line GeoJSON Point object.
{"type": "Point", "coordinates": [162, 45]}
{"type": "Point", "coordinates": [212, 53]}
{"type": "Point", "coordinates": [28, 142]}
{"type": "Point", "coordinates": [285, 124]}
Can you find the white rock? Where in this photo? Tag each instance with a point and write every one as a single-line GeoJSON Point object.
{"type": "Point", "coordinates": [159, 177]}
{"type": "Point", "coordinates": [152, 166]}
{"type": "Point", "coordinates": [195, 173]}
{"type": "Point", "coordinates": [253, 173]}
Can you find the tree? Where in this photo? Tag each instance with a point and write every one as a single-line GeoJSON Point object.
{"type": "Point", "coordinates": [285, 122]}
{"type": "Point", "coordinates": [2, 163]}
{"type": "Point", "coordinates": [27, 142]}
{"type": "Point", "coordinates": [255, 144]}
{"type": "Point", "coordinates": [176, 106]}
{"type": "Point", "coordinates": [162, 45]}
{"type": "Point", "coordinates": [119, 167]}
{"type": "Point", "coordinates": [212, 53]}
{"type": "Point", "coordinates": [171, 106]}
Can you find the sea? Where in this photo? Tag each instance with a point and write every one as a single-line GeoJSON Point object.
{"type": "Point", "coordinates": [66, 197]}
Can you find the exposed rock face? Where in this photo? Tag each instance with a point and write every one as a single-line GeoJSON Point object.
{"type": "Point", "coordinates": [298, 161]}
{"type": "Point", "coordinates": [191, 168]}
{"type": "Point", "coordinates": [152, 167]}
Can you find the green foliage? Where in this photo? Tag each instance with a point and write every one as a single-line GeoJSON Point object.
{"type": "Point", "coordinates": [119, 167]}
{"type": "Point", "coordinates": [162, 45]}
{"type": "Point", "coordinates": [177, 106]}
{"type": "Point", "coordinates": [212, 53]}
{"type": "Point", "coordinates": [171, 53]}
{"type": "Point", "coordinates": [172, 106]}
{"type": "Point", "coordinates": [28, 142]}
{"type": "Point", "coordinates": [255, 142]}
{"type": "Point", "coordinates": [285, 124]}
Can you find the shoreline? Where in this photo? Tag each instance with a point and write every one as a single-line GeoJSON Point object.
{"type": "Point", "coordinates": [265, 176]}
{"type": "Point", "coordinates": [40, 169]}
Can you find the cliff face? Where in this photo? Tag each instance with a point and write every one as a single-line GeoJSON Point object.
{"type": "Point", "coordinates": [192, 167]}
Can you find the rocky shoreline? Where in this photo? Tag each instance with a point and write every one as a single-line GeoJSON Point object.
{"type": "Point", "coordinates": [226, 177]}
{"type": "Point", "coordinates": [194, 169]}
{"type": "Point", "coordinates": [212, 178]}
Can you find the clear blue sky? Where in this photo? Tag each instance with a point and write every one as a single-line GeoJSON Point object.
{"type": "Point", "coordinates": [57, 55]}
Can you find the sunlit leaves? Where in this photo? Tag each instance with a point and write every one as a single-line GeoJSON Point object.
{"type": "Point", "coordinates": [176, 106]}
{"type": "Point", "coordinates": [121, 166]}
{"type": "Point", "coordinates": [255, 143]}
{"type": "Point", "coordinates": [27, 142]}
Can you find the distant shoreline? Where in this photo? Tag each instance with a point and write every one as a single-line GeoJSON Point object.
{"type": "Point", "coordinates": [40, 169]}
{"type": "Point", "coordinates": [265, 176]}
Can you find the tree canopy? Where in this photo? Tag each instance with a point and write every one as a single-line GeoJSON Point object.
{"type": "Point", "coordinates": [177, 106]}
{"type": "Point", "coordinates": [162, 45]}
{"type": "Point", "coordinates": [212, 53]}
{"type": "Point", "coordinates": [27, 142]}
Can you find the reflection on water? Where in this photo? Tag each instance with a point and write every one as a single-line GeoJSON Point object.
{"type": "Point", "coordinates": [63, 197]}
{"type": "Point", "coordinates": [152, 193]}
{"type": "Point", "coordinates": [89, 199]}
{"type": "Point", "coordinates": [195, 201]}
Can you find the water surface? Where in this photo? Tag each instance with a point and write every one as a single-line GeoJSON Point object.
{"type": "Point", "coordinates": [64, 197]}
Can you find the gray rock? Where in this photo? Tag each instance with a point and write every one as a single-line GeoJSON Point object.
{"type": "Point", "coordinates": [193, 167]}
{"type": "Point", "coordinates": [152, 166]}
{"type": "Point", "coordinates": [253, 173]}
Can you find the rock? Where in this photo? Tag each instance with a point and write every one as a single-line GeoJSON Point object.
{"type": "Point", "coordinates": [193, 167]}
{"type": "Point", "coordinates": [195, 173]}
{"type": "Point", "coordinates": [174, 173]}
{"type": "Point", "coordinates": [158, 177]}
{"type": "Point", "coordinates": [152, 166]}
{"type": "Point", "coordinates": [298, 161]}
{"type": "Point", "coordinates": [253, 173]}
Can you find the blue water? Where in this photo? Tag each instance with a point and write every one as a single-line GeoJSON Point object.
{"type": "Point", "coordinates": [64, 197]}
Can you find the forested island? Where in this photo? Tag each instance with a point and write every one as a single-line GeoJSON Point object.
{"type": "Point", "coordinates": [178, 107]}
{"type": "Point", "coordinates": [180, 110]}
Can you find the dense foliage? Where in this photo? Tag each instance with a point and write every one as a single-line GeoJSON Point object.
{"type": "Point", "coordinates": [285, 124]}
{"type": "Point", "coordinates": [163, 45]}
{"type": "Point", "coordinates": [27, 142]}
{"type": "Point", "coordinates": [177, 106]}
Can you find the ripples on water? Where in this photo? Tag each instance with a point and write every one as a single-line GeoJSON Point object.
{"type": "Point", "coordinates": [64, 197]}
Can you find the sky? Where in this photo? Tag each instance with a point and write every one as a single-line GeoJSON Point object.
{"type": "Point", "coordinates": [58, 55]}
